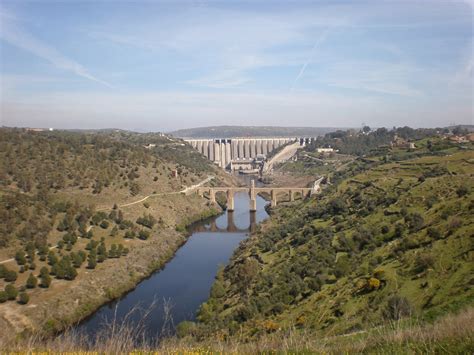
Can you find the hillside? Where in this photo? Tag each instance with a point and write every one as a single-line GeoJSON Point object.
{"type": "Point", "coordinates": [85, 216]}
{"type": "Point", "coordinates": [251, 131]}
{"type": "Point", "coordinates": [391, 239]}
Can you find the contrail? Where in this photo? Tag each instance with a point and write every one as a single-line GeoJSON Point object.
{"type": "Point", "coordinates": [320, 39]}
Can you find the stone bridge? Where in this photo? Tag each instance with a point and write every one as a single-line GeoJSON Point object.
{"type": "Point", "coordinates": [253, 191]}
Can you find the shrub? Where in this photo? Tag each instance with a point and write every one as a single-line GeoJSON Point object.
{"type": "Point", "coordinates": [147, 221]}
{"type": "Point", "coordinates": [373, 284]}
{"type": "Point", "coordinates": [24, 298]}
{"type": "Point", "coordinates": [45, 279]}
{"type": "Point", "coordinates": [20, 257]}
{"type": "Point", "coordinates": [104, 224]}
{"type": "Point", "coordinates": [399, 230]}
{"type": "Point", "coordinates": [185, 328]}
{"type": "Point", "coordinates": [32, 281]}
{"type": "Point", "coordinates": [423, 261]}
{"type": "Point", "coordinates": [433, 233]}
{"type": "Point", "coordinates": [397, 307]}
{"type": "Point", "coordinates": [217, 290]}
{"type": "Point", "coordinates": [129, 234]}
{"type": "Point", "coordinates": [379, 274]}
{"type": "Point", "coordinates": [3, 297]}
{"type": "Point", "coordinates": [462, 191]}
{"type": "Point", "coordinates": [10, 276]}
{"type": "Point", "coordinates": [415, 221]}
{"type": "Point", "coordinates": [11, 291]}
{"type": "Point", "coordinates": [143, 234]}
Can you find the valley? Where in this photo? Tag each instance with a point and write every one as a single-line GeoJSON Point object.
{"type": "Point", "coordinates": [388, 238]}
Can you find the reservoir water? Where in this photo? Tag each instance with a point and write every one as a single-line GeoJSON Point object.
{"type": "Point", "coordinates": [175, 293]}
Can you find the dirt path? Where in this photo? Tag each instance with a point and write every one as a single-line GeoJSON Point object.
{"type": "Point", "coordinates": [183, 191]}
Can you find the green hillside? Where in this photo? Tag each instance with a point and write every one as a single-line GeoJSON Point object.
{"type": "Point", "coordinates": [391, 239]}
{"type": "Point", "coordinates": [86, 216]}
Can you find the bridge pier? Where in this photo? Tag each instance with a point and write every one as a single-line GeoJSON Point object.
{"type": "Point", "coordinates": [273, 198]}
{"type": "Point", "coordinates": [253, 197]}
{"type": "Point", "coordinates": [230, 200]}
{"type": "Point", "coordinates": [212, 195]}
{"type": "Point", "coordinates": [292, 197]}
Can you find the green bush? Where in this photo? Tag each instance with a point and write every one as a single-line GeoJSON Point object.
{"type": "Point", "coordinates": [10, 276]}
{"type": "Point", "coordinates": [23, 298]}
{"type": "Point", "coordinates": [11, 291]}
{"type": "Point", "coordinates": [3, 297]}
{"type": "Point", "coordinates": [32, 281]}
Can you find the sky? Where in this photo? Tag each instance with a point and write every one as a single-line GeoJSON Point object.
{"type": "Point", "coordinates": [165, 65]}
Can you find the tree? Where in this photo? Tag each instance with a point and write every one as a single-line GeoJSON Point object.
{"type": "Point", "coordinates": [11, 291]}
{"type": "Point", "coordinates": [32, 281]}
{"type": "Point", "coordinates": [114, 231]}
{"type": "Point", "coordinates": [45, 278]}
{"type": "Point", "coordinates": [113, 252]}
{"type": "Point", "coordinates": [3, 271]}
{"type": "Point", "coordinates": [20, 257]}
{"type": "Point", "coordinates": [101, 252]}
{"type": "Point", "coordinates": [24, 298]}
{"type": "Point", "coordinates": [92, 260]}
{"type": "Point", "coordinates": [3, 297]}
{"type": "Point", "coordinates": [143, 234]}
{"type": "Point", "coordinates": [52, 258]}
{"type": "Point", "coordinates": [10, 276]}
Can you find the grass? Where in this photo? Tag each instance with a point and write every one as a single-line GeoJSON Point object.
{"type": "Point", "coordinates": [453, 334]}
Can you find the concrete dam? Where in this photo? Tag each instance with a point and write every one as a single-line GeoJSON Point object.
{"type": "Point", "coordinates": [241, 153]}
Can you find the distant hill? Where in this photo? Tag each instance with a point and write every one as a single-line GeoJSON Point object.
{"type": "Point", "coordinates": [251, 131]}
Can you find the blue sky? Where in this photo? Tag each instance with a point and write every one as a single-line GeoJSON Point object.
{"type": "Point", "coordinates": [150, 65]}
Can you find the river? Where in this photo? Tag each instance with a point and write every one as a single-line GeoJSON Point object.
{"type": "Point", "coordinates": [175, 293]}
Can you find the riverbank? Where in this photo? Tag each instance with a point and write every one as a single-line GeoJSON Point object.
{"type": "Point", "coordinates": [67, 302]}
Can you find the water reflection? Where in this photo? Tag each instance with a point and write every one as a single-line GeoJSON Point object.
{"type": "Point", "coordinates": [186, 280]}
{"type": "Point", "coordinates": [230, 226]}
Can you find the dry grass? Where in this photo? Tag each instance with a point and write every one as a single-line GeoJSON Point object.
{"type": "Point", "coordinates": [451, 334]}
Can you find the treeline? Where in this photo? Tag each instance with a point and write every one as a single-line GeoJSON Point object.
{"type": "Point", "coordinates": [364, 141]}
{"type": "Point", "coordinates": [39, 161]}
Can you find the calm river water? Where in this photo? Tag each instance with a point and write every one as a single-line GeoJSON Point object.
{"type": "Point", "coordinates": [184, 283]}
